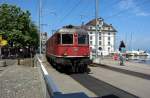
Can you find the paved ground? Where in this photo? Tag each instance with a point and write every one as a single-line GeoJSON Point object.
{"type": "Point", "coordinates": [135, 67]}
{"type": "Point", "coordinates": [20, 82]}
{"type": "Point", "coordinates": [128, 82]}
{"type": "Point", "coordinates": [9, 62]}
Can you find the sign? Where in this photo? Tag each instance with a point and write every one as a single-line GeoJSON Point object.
{"type": "Point", "coordinates": [3, 42]}
{"type": "Point", "coordinates": [0, 38]}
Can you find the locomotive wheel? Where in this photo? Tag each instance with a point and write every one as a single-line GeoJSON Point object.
{"type": "Point", "coordinates": [69, 70]}
{"type": "Point", "coordinates": [83, 68]}
{"type": "Point", "coordinates": [80, 69]}
{"type": "Point", "coordinates": [76, 69]}
{"type": "Point", "coordinates": [73, 69]}
{"type": "Point", "coordinates": [60, 68]}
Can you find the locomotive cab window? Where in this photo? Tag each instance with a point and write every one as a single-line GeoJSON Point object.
{"type": "Point", "coordinates": [67, 38]}
{"type": "Point", "coordinates": [83, 39]}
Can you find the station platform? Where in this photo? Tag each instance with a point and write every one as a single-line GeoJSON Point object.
{"type": "Point", "coordinates": [132, 68]}
{"type": "Point", "coordinates": [20, 81]}
{"type": "Point", "coordinates": [131, 77]}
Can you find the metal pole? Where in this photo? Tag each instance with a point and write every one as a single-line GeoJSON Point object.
{"type": "Point", "coordinates": [40, 14]}
{"type": "Point", "coordinates": [131, 41]}
{"type": "Point", "coordinates": [96, 31]}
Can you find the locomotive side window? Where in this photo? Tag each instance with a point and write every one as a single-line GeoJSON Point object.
{"type": "Point", "coordinates": [58, 39]}
{"type": "Point", "coordinates": [67, 38]}
{"type": "Point", "coordinates": [83, 39]}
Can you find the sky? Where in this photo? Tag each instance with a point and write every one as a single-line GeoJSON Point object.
{"type": "Point", "coordinates": [130, 18]}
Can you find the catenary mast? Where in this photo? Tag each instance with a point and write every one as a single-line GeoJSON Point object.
{"type": "Point", "coordinates": [96, 27]}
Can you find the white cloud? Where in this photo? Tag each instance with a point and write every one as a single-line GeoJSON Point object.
{"type": "Point", "coordinates": [126, 4]}
{"type": "Point", "coordinates": [143, 14]}
{"type": "Point", "coordinates": [131, 6]}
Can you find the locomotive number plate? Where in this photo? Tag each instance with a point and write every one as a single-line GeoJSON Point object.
{"type": "Point", "coordinates": [75, 49]}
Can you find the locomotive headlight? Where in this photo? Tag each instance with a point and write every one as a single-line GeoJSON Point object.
{"type": "Point", "coordinates": [85, 54]}
{"type": "Point", "coordinates": [65, 54]}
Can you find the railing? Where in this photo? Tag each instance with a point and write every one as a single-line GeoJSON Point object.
{"type": "Point", "coordinates": [52, 89]}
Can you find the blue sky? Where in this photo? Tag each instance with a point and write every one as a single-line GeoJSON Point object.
{"type": "Point", "coordinates": [131, 18]}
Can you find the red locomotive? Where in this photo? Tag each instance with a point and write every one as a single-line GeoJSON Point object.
{"type": "Point", "coordinates": [68, 49]}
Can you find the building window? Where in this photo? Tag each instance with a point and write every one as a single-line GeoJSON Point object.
{"type": "Point", "coordinates": [109, 43]}
{"type": "Point", "coordinates": [108, 48]}
{"type": "Point", "coordinates": [100, 38]}
{"type": "Point", "coordinates": [99, 34]}
{"type": "Point", "coordinates": [100, 43]}
{"type": "Point", "coordinates": [91, 43]}
{"type": "Point", "coordinates": [90, 28]}
{"type": "Point", "coordinates": [100, 48]}
{"type": "Point", "coordinates": [108, 33]}
{"type": "Point", "coordinates": [91, 32]}
{"type": "Point", "coordinates": [108, 38]}
{"type": "Point", "coordinates": [91, 37]}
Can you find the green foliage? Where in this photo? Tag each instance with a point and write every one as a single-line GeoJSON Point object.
{"type": "Point", "coordinates": [16, 24]}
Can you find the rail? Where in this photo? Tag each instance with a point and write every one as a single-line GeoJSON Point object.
{"type": "Point", "coordinates": [52, 89]}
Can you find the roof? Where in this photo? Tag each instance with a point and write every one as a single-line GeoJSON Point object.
{"type": "Point", "coordinates": [71, 29]}
{"type": "Point", "coordinates": [93, 23]}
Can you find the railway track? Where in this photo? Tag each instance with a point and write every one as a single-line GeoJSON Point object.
{"type": "Point", "coordinates": [101, 88]}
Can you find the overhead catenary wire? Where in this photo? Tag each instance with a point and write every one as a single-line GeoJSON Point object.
{"type": "Point", "coordinates": [70, 11]}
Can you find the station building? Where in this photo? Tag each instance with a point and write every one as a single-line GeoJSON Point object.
{"type": "Point", "coordinates": [106, 36]}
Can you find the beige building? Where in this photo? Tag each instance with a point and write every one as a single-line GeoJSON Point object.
{"type": "Point", "coordinates": [105, 38]}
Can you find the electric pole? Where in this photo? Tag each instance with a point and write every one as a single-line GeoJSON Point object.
{"type": "Point", "coordinates": [40, 14]}
{"type": "Point", "coordinates": [96, 30]}
{"type": "Point", "coordinates": [131, 41]}
{"type": "Point", "coordinates": [82, 16]}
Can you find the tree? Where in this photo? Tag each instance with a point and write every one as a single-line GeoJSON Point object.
{"type": "Point", "coordinates": [18, 27]}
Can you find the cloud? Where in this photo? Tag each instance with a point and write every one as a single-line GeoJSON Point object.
{"type": "Point", "coordinates": [131, 6]}
{"type": "Point", "coordinates": [143, 14]}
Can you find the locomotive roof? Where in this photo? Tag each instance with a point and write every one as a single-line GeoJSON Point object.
{"type": "Point", "coordinates": [71, 30]}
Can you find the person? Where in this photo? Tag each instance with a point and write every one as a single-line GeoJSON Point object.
{"type": "Point", "coordinates": [122, 54]}
{"type": "Point", "coordinates": [115, 57]}
{"type": "Point", "coordinates": [121, 59]}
